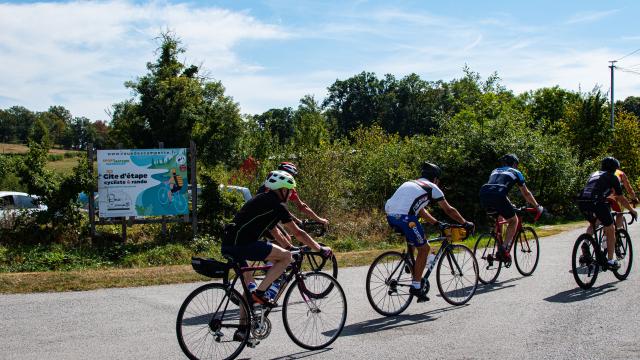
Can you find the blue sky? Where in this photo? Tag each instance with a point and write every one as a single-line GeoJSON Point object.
{"type": "Point", "coordinates": [269, 54]}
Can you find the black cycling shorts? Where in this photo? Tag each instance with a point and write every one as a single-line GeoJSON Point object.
{"type": "Point", "coordinates": [498, 203]}
{"type": "Point", "coordinates": [601, 209]}
{"type": "Point", "coordinates": [254, 251]}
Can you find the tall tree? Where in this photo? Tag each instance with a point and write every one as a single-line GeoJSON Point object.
{"type": "Point", "coordinates": [173, 104]}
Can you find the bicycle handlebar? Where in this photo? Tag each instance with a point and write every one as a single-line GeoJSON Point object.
{"type": "Point", "coordinates": [528, 210]}
{"type": "Point", "coordinates": [614, 213]}
{"type": "Point", "coordinates": [312, 225]}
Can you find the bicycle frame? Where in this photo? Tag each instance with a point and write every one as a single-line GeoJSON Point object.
{"type": "Point", "coordinates": [497, 230]}
{"type": "Point", "coordinates": [409, 259]}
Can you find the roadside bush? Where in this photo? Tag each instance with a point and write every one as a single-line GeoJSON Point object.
{"type": "Point", "coordinates": [169, 254]}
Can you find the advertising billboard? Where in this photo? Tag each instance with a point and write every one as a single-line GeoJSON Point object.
{"type": "Point", "coordinates": [142, 182]}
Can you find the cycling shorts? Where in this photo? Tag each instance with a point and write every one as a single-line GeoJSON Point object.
{"type": "Point", "coordinates": [410, 227]}
{"type": "Point", "coordinates": [255, 251]}
{"type": "Point", "coordinates": [175, 188]}
{"type": "Point", "coordinates": [498, 203]}
{"type": "Point", "coordinates": [601, 209]}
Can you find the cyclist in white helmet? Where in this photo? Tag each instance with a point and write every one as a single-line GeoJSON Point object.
{"type": "Point", "coordinates": [258, 215]}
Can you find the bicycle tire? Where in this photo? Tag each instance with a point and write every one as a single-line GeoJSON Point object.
{"type": "Point", "coordinates": [203, 332]}
{"type": "Point", "coordinates": [584, 261]}
{"type": "Point", "coordinates": [318, 263]}
{"type": "Point", "coordinates": [624, 254]}
{"type": "Point", "coordinates": [460, 261]}
{"type": "Point", "coordinates": [528, 245]}
{"type": "Point", "coordinates": [485, 251]}
{"type": "Point", "coordinates": [302, 306]}
{"type": "Point", "coordinates": [382, 284]}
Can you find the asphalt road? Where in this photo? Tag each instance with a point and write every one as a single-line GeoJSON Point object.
{"type": "Point", "coordinates": [544, 316]}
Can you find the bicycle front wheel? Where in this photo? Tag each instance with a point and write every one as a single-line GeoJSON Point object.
{"type": "Point", "coordinates": [317, 263]}
{"type": "Point", "coordinates": [624, 254]}
{"type": "Point", "coordinates": [213, 323]}
{"type": "Point", "coordinates": [457, 274]}
{"type": "Point", "coordinates": [584, 263]}
{"type": "Point", "coordinates": [388, 283]}
{"type": "Point", "coordinates": [526, 251]}
{"type": "Point", "coordinates": [485, 251]}
{"type": "Point", "coordinates": [314, 317]}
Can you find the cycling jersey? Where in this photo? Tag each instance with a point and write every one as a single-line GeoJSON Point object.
{"type": "Point", "coordinates": [600, 185]}
{"type": "Point", "coordinates": [501, 181]}
{"type": "Point", "coordinates": [413, 196]}
{"type": "Point", "coordinates": [258, 215]}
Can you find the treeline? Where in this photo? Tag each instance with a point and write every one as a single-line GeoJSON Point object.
{"type": "Point", "coordinates": [367, 136]}
{"type": "Point", "coordinates": [56, 126]}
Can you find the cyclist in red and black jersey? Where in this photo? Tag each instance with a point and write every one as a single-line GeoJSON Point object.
{"type": "Point", "coordinates": [283, 239]}
{"type": "Point", "coordinates": [593, 200]}
{"type": "Point", "coordinates": [261, 214]}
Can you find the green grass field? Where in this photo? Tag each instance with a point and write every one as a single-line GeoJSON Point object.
{"type": "Point", "coordinates": [63, 166]}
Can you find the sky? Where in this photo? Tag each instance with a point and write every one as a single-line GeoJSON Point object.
{"type": "Point", "coordinates": [269, 54]}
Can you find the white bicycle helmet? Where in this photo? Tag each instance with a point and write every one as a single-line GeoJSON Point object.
{"type": "Point", "coordinates": [279, 179]}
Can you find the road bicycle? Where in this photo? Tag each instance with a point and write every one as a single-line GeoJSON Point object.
{"type": "Point", "coordinates": [216, 321]}
{"type": "Point", "coordinates": [588, 257]}
{"type": "Point", "coordinates": [390, 275]}
{"type": "Point", "coordinates": [526, 248]}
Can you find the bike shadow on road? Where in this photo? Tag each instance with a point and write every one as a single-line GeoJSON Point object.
{"type": "Point", "coordinates": [302, 354]}
{"type": "Point", "coordinates": [487, 288]}
{"type": "Point", "coordinates": [392, 322]}
{"type": "Point", "coordinates": [579, 294]}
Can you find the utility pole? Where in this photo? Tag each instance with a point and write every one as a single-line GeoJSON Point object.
{"type": "Point", "coordinates": [612, 67]}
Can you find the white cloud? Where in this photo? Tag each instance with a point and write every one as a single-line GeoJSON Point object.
{"type": "Point", "coordinates": [78, 54]}
{"type": "Point", "coordinates": [590, 16]}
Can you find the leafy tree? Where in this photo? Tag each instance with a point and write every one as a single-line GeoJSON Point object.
{"type": "Point", "coordinates": [548, 107]}
{"type": "Point", "coordinates": [309, 124]}
{"type": "Point", "coordinates": [631, 104]}
{"type": "Point", "coordinates": [279, 122]}
{"type": "Point", "coordinates": [15, 124]}
{"type": "Point", "coordinates": [39, 134]}
{"type": "Point", "coordinates": [587, 125]}
{"type": "Point", "coordinates": [626, 144]}
{"type": "Point", "coordinates": [175, 104]}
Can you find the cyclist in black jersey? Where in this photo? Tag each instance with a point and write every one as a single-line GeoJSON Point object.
{"type": "Point", "coordinates": [593, 200]}
{"type": "Point", "coordinates": [280, 237]}
{"type": "Point", "coordinates": [261, 214]}
{"type": "Point", "coordinates": [494, 197]}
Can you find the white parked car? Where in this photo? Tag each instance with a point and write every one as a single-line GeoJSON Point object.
{"type": "Point", "coordinates": [12, 202]}
{"type": "Point", "coordinates": [246, 193]}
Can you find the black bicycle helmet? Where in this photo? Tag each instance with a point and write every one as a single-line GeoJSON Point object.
{"type": "Point", "coordinates": [610, 164]}
{"type": "Point", "coordinates": [430, 171]}
{"type": "Point", "coordinates": [509, 160]}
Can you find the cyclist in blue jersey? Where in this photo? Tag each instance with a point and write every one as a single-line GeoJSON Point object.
{"type": "Point", "coordinates": [494, 197]}
{"type": "Point", "coordinates": [406, 205]}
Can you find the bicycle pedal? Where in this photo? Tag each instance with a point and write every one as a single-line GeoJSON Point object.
{"type": "Point", "coordinates": [507, 264]}
{"type": "Point", "coordinates": [252, 343]}
{"type": "Point", "coordinates": [422, 299]}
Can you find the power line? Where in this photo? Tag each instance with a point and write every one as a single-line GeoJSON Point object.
{"type": "Point", "coordinates": [628, 70]}
{"type": "Point", "coordinates": [629, 54]}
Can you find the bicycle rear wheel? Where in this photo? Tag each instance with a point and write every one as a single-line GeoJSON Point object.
{"type": "Point", "coordinates": [457, 275]}
{"type": "Point", "coordinates": [388, 283]}
{"type": "Point", "coordinates": [314, 317]}
{"type": "Point", "coordinates": [584, 263]}
{"type": "Point", "coordinates": [485, 251]}
{"type": "Point", "coordinates": [526, 251]}
{"type": "Point", "coordinates": [208, 320]}
{"type": "Point", "coordinates": [624, 254]}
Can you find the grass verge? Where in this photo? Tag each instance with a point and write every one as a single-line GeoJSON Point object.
{"type": "Point", "coordinates": [56, 281]}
